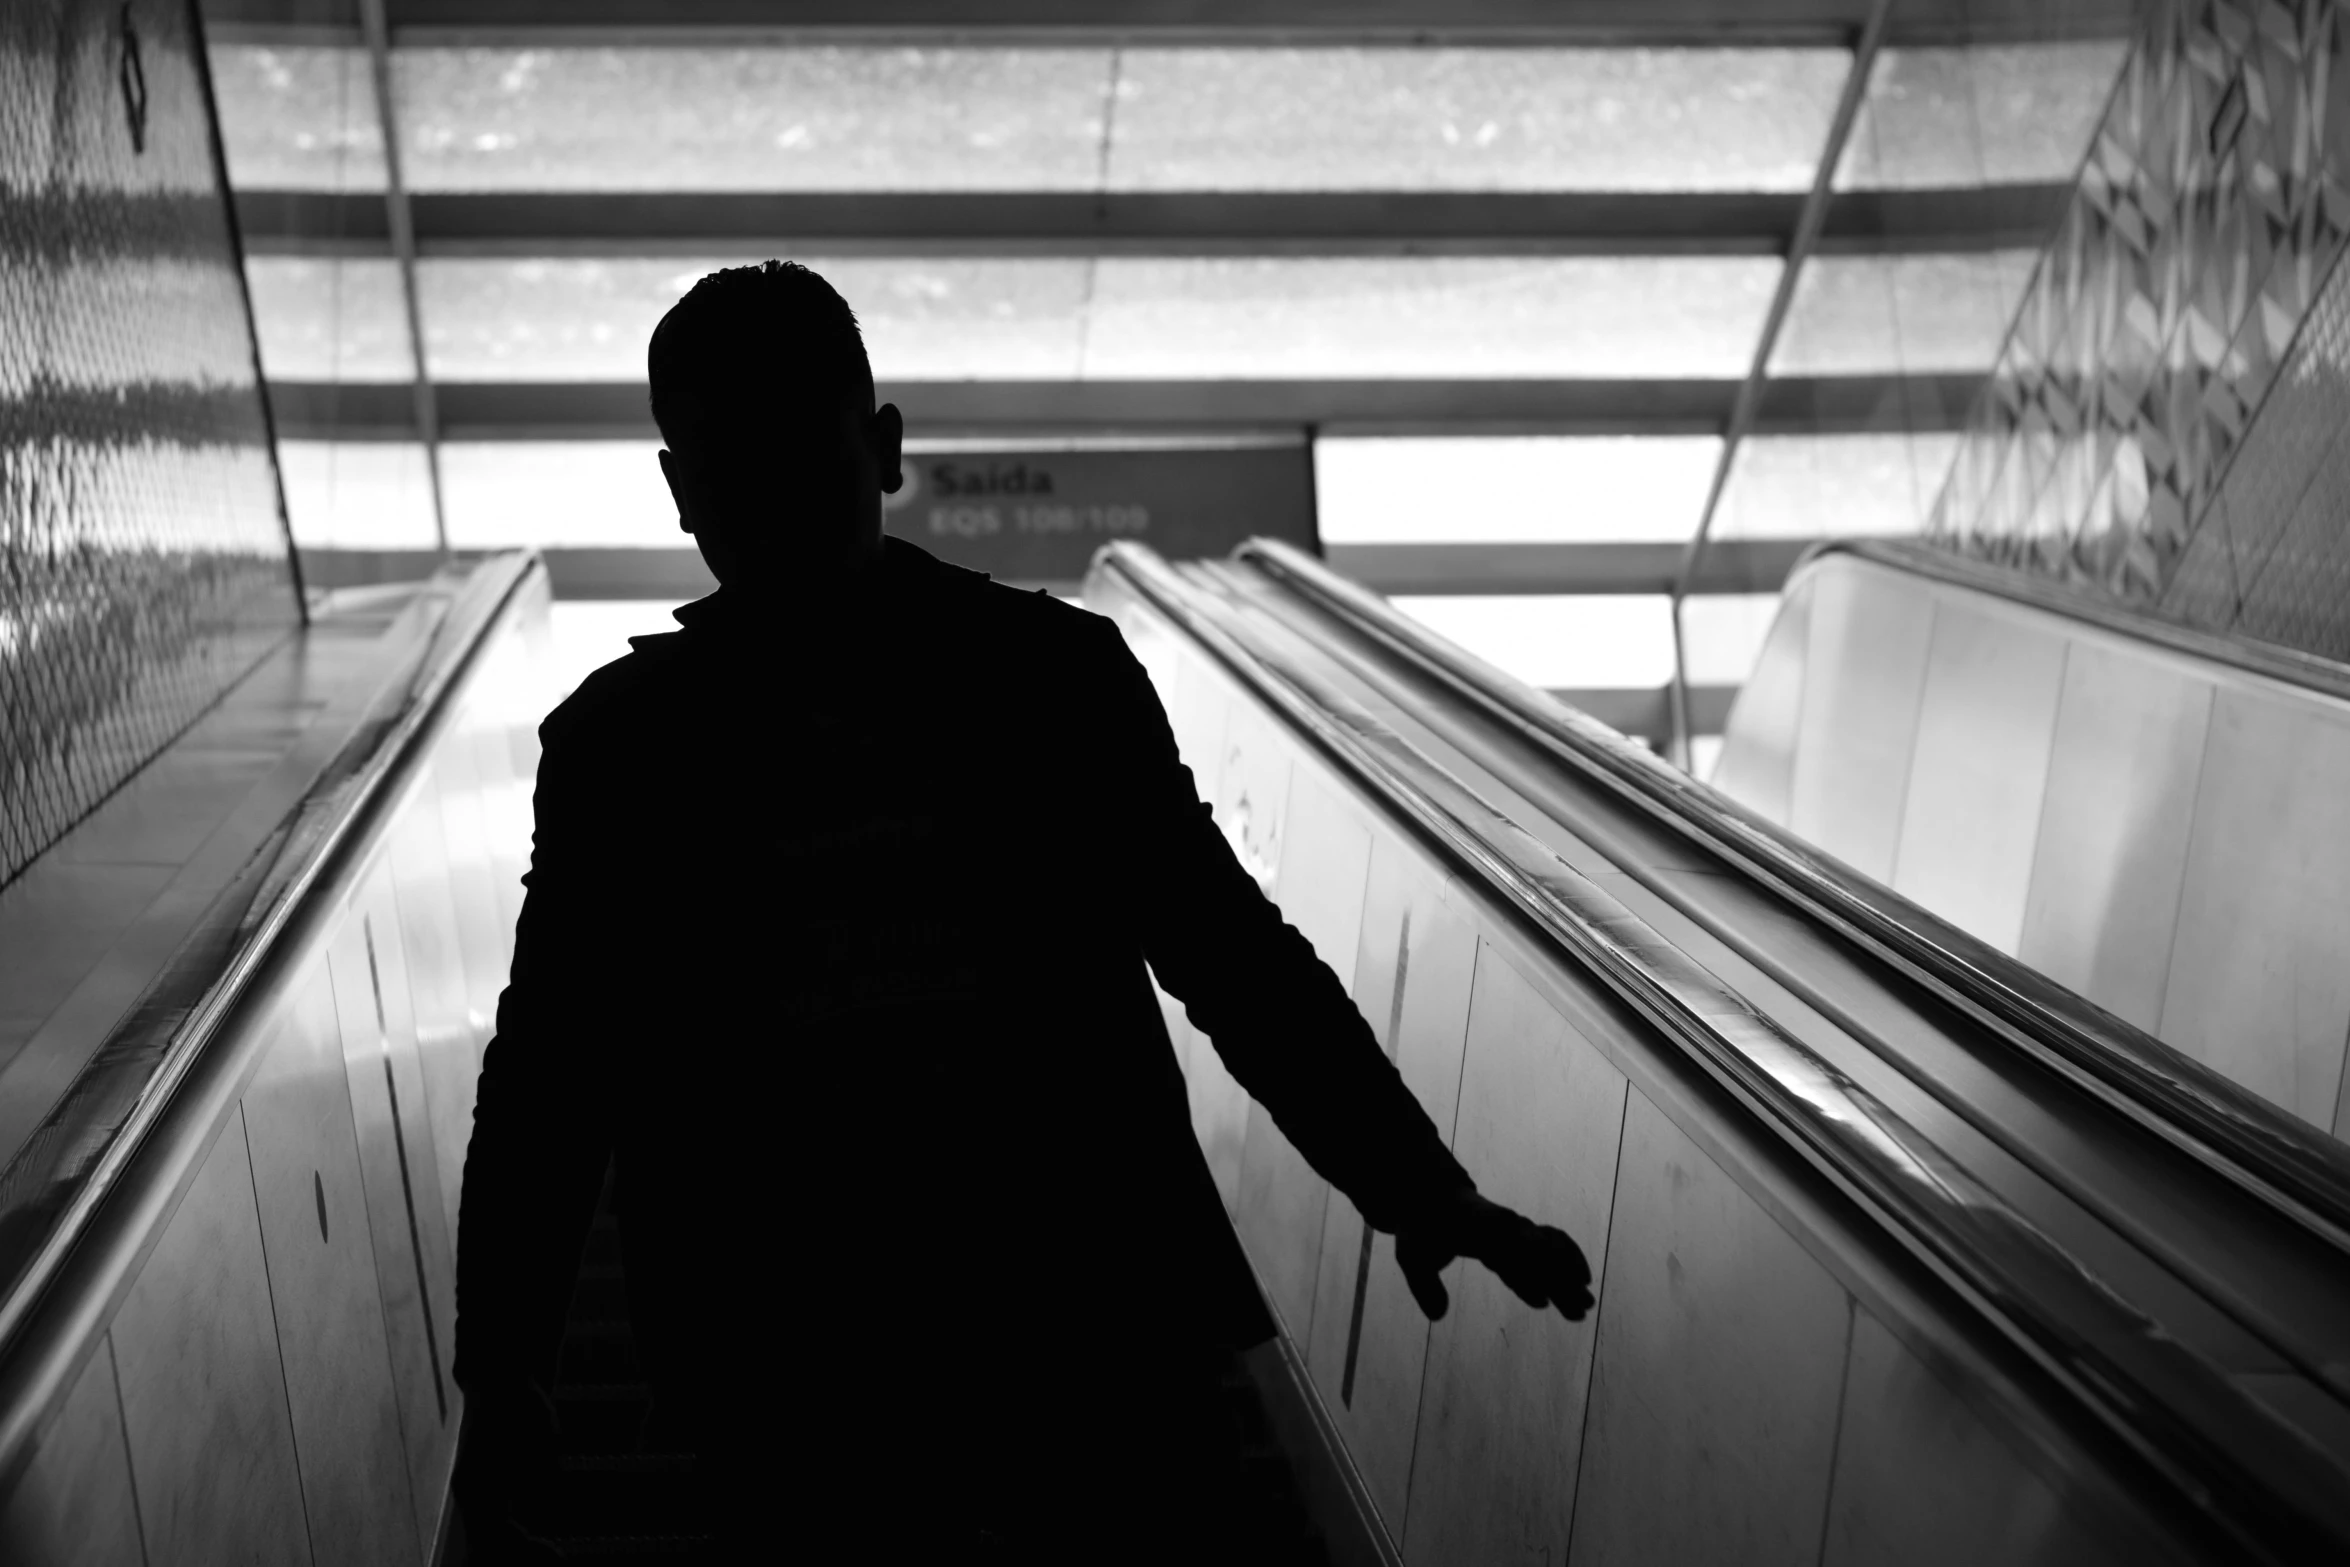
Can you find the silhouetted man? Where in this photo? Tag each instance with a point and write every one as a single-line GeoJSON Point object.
{"type": "Point", "coordinates": [834, 951]}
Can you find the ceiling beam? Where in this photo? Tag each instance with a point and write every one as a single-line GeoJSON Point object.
{"type": "Point", "coordinates": [1177, 223]}
{"type": "Point", "coordinates": [617, 410]}
{"type": "Point", "coordinates": [1274, 22]}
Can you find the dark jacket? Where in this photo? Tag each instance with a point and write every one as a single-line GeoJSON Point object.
{"type": "Point", "coordinates": [837, 951]}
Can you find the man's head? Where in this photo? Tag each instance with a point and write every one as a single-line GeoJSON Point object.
{"type": "Point", "coordinates": [776, 455]}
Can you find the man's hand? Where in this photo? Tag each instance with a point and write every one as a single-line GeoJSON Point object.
{"type": "Point", "coordinates": [1541, 1265]}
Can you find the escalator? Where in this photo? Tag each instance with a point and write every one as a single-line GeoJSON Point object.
{"type": "Point", "coordinates": [1905, 1252]}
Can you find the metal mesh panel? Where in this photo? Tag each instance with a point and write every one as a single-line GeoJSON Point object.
{"type": "Point", "coordinates": [2160, 354]}
{"type": "Point", "coordinates": [142, 554]}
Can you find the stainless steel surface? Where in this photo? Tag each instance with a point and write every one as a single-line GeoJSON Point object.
{"type": "Point", "coordinates": [2157, 1401]}
{"type": "Point", "coordinates": [203, 1398]}
{"type": "Point", "coordinates": [2258, 988]}
{"type": "Point", "coordinates": [445, 1044]}
{"type": "Point", "coordinates": [2304, 1175]}
{"type": "Point", "coordinates": [2212, 1263]}
{"type": "Point", "coordinates": [2263, 660]}
{"type": "Point", "coordinates": [1863, 672]}
{"type": "Point", "coordinates": [1971, 814]}
{"type": "Point", "coordinates": [1416, 959]}
{"type": "Point", "coordinates": [1757, 760]}
{"type": "Point", "coordinates": [415, 1258]}
{"type": "Point", "coordinates": [473, 880]}
{"type": "Point", "coordinates": [2215, 949]}
{"type": "Point", "coordinates": [72, 1501]}
{"type": "Point", "coordinates": [127, 1137]}
{"type": "Point", "coordinates": [323, 1291]}
{"type": "Point", "coordinates": [2112, 854]}
{"type": "Point", "coordinates": [1502, 1418]}
{"type": "Point", "coordinates": [1280, 1207]}
{"type": "Point", "coordinates": [1720, 1359]}
{"type": "Point", "coordinates": [1251, 799]}
{"type": "Point", "coordinates": [244, 1315]}
{"type": "Point", "coordinates": [1922, 1479]}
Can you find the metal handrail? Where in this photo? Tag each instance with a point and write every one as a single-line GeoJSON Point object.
{"type": "Point", "coordinates": [2256, 1479]}
{"type": "Point", "coordinates": [2264, 660]}
{"type": "Point", "coordinates": [146, 1108]}
{"type": "Point", "coordinates": [2295, 1169]}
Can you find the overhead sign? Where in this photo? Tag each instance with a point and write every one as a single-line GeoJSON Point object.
{"type": "Point", "coordinates": [1038, 515]}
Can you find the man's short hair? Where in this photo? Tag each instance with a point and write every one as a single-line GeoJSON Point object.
{"type": "Point", "coordinates": [749, 341]}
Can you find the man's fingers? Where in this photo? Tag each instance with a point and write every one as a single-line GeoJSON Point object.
{"type": "Point", "coordinates": [1423, 1266]}
{"type": "Point", "coordinates": [1428, 1290]}
{"type": "Point", "coordinates": [1543, 1267]}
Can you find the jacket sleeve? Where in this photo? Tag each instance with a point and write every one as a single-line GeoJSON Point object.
{"type": "Point", "coordinates": [1253, 984]}
{"type": "Point", "coordinates": [542, 1118]}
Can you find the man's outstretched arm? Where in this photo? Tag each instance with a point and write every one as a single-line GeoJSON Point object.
{"type": "Point", "coordinates": [1292, 1036]}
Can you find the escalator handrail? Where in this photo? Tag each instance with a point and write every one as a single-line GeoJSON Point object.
{"type": "Point", "coordinates": [2266, 661]}
{"type": "Point", "coordinates": [2293, 1168]}
{"type": "Point", "coordinates": [2254, 1478]}
{"type": "Point", "coordinates": [190, 1038]}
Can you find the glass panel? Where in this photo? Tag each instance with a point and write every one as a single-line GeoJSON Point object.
{"type": "Point", "coordinates": [181, 313]}
{"type": "Point", "coordinates": [322, 319]}
{"type": "Point", "coordinates": [1831, 486]}
{"type": "Point", "coordinates": [1506, 489]}
{"type": "Point", "coordinates": [297, 118]}
{"type": "Point", "coordinates": [924, 319]}
{"type": "Point", "coordinates": [752, 118]}
{"type": "Point", "coordinates": [501, 494]}
{"type": "Point", "coordinates": [2006, 115]}
{"type": "Point", "coordinates": [589, 633]}
{"type": "Point", "coordinates": [364, 495]}
{"type": "Point", "coordinates": [1901, 315]}
{"type": "Point", "coordinates": [1027, 317]}
{"type": "Point", "coordinates": [1437, 316]}
{"type": "Point", "coordinates": [1722, 635]}
{"type": "Point", "coordinates": [1622, 641]}
{"type": "Point", "coordinates": [1472, 119]}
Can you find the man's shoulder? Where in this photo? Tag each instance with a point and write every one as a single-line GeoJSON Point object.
{"type": "Point", "coordinates": [1003, 610]}
{"type": "Point", "coordinates": [642, 679]}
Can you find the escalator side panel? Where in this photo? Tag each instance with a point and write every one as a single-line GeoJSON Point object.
{"type": "Point", "coordinates": [325, 1291]}
{"type": "Point", "coordinates": [1971, 811]}
{"type": "Point", "coordinates": [1721, 1355]}
{"type": "Point", "coordinates": [1414, 965]}
{"type": "Point", "coordinates": [2112, 852]}
{"type": "Point", "coordinates": [1864, 667]}
{"type": "Point", "coordinates": [1728, 1315]}
{"type": "Point", "coordinates": [2257, 987]}
{"type": "Point", "coordinates": [1920, 1478]}
{"type": "Point", "coordinates": [1503, 1421]}
{"type": "Point", "coordinates": [2176, 820]}
{"type": "Point", "coordinates": [278, 1344]}
{"type": "Point", "coordinates": [73, 1502]}
{"type": "Point", "coordinates": [1757, 760]}
{"type": "Point", "coordinates": [203, 1396]}
{"type": "Point", "coordinates": [414, 1257]}
{"type": "Point", "coordinates": [1325, 862]}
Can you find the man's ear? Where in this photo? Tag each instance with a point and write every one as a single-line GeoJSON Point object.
{"type": "Point", "coordinates": [888, 429]}
{"type": "Point", "coordinates": [669, 467]}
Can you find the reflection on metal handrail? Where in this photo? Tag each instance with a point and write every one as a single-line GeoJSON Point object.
{"type": "Point", "coordinates": [2297, 1170]}
{"type": "Point", "coordinates": [78, 1205]}
{"type": "Point", "coordinates": [2255, 1478]}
